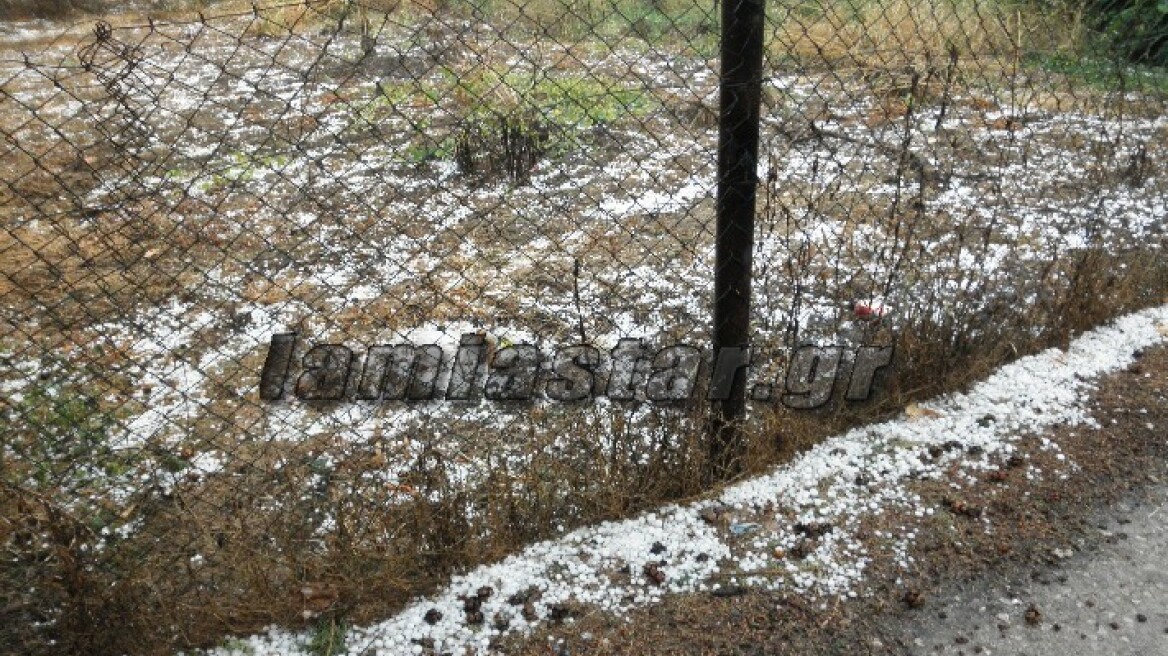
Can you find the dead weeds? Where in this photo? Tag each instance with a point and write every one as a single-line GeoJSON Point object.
{"type": "Point", "coordinates": [1021, 520]}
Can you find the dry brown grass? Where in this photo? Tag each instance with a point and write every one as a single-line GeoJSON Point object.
{"type": "Point", "coordinates": [75, 263]}
{"type": "Point", "coordinates": [283, 17]}
{"type": "Point", "coordinates": [234, 551]}
{"type": "Point", "coordinates": [80, 268]}
{"type": "Point", "coordinates": [952, 553]}
{"type": "Point", "coordinates": [892, 33]}
{"type": "Point", "coordinates": [1084, 290]}
{"type": "Point", "coordinates": [53, 9]}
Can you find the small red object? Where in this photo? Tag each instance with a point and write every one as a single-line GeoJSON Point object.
{"type": "Point", "coordinates": [869, 311]}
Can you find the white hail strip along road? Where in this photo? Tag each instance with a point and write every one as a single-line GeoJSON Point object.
{"type": "Point", "coordinates": [584, 566]}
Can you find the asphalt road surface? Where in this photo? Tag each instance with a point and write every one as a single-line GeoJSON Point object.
{"type": "Point", "coordinates": [1106, 597]}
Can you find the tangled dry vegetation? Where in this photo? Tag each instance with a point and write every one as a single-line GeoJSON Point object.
{"type": "Point", "coordinates": [177, 191]}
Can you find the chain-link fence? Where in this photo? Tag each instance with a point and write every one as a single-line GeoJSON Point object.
{"type": "Point", "coordinates": [308, 305]}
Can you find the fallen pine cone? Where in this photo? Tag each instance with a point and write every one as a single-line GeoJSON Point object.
{"type": "Point", "coordinates": [652, 571]}
{"type": "Point", "coordinates": [814, 530]}
{"type": "Point", "coordinates": [959, 507]}
{"type": "Point", "coordinates": [802, 550]}
{"type": "Point", "coordinates": [472, 604]}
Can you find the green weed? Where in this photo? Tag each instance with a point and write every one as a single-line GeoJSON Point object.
{"type": "Point", "coordinates": [243, 169]}
{"type": "Point", "coordinates": [328, 638]}
{"type": "Point", "coordinates": [237, 647]}
{"type": "Point", "coordinates": [627, 23]}
{"type": "Point", "coordinates": [504, 121]}
{"type": "Point", "coordinates": [59, 436]}
{"type": "Point", "coordinates": [1103, 73]}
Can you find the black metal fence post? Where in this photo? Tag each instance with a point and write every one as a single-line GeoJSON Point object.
{"type": "Point", "coordinates": [738, 135]}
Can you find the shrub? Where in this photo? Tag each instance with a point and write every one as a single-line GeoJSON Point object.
{"type": "Point", "coordinates": [23, 9]}
{"type": "Point", "coordinates": [1136, 29]}
{"type": "Point", "coordinates": [509, 145]}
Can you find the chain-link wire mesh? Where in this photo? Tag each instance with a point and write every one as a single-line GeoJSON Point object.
{"type": "Point", "coordinates": [403, 184]}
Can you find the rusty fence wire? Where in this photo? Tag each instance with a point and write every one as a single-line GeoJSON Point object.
{"type": "Point", "coordinates": [346, 295]}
